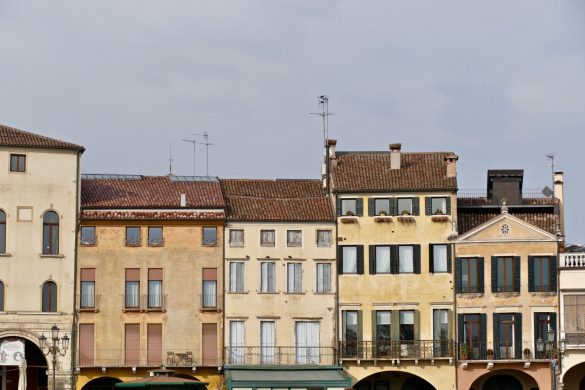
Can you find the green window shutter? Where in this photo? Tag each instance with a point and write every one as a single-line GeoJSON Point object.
{"type": "Point", "coordinates": [483, 334]}
{"type": "Point", "coordinates": [373, 329]}
{"type": "Point", "coordinates": [431, 258]}
{"type": "Point", "coordinates": [416, 255]}
{"type": "Point", "coordinates": [394, 259]}
{"type": "Point", "coordinates": [553, 322]}
{"type": "Point", "coordinates": [417, 325]}
{"type": "Point", "coordinates": [449, 257]}
{"type": "Point", "coordinates": [416, 206]}
{"type": "Point", "coordinates": [480, 275]}
{"type": "Point", "coordinates": [530, 273]}
{"type": "Point", "coordinates": [448, 205]}
{"type": "Point", "coordinates": [343, 335]}
{"type": "Point", "coordinates": [517, 273]}
{"type": "Point", "coordinates": [372, 259]}
{"type": "Point", "coordinates": [518, 335]}
{"type": "Point", "coordinates": [371, 207]}
{"type": "Point", "coordinates": [535, 326]}
{"type": "Point", "coordinates": [428, 206]}
{"type": "Point", "coordinates": [553, 266]}
{"type": "Point", "coordinates": [338, 204]}
{"type": "Point", "coordinates": [360, 259]}
{"type": "Point", "coordinates": [340, 260]}
{"type": "Point", "coordinates": [450, 324]}
{"type": "Point", "coordinates": [494, 274]}
{"type": "Point", "coordinates": [393, 206]}
{"type": "Point", "coordinates": [359, 207]}
{"type": "Point", "coordinates": [395, 324]}
{"type": "Point", "coordinates": [458, 279]}
{"type": "Point", "coordinates": [496, 319]}
{"type": "Point", "coordinates": [460, 329]}
{"type": "Point", "coordinates": [360, 329]}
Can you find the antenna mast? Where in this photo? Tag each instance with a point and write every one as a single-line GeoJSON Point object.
{"type": "Point", "coordinates": [171, 159]}
{"type": "Point", "coordinates": [207, 144]}
{"type": "Point", "coordinates": [194, 142]}
{"type": "Point", "coordinates": [324, 114]}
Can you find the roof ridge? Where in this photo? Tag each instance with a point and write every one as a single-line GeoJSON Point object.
{"type": "Point", "coordinates": [44, 137]}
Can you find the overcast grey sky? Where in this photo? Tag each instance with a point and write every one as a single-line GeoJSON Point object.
{"type": "Point", "coordinates": [499, 82]}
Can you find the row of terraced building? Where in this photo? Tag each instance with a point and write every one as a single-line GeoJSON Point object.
{"type": "Point", "coordinates": [379, 275]}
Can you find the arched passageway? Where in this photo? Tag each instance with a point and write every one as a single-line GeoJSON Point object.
{"type": "Point", "coordinates": [36, 372]}
{"type": "Point", "coordinates": [393, 380]}
{"type": "Point", "coordinates": [103, 383]}
{"type": "Point", "coordinates": [505, 379]}
{"type": "Point", "coordinates": [574, 378]}
{"type": "Point", "coordinates": [502, 382]}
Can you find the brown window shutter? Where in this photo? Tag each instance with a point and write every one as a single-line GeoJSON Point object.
{"type": "Point", "coordinates": [88, 274]}
{"type": "Point", "coordinates": [86, 344]}
{"type": "Point", "coordinates": [132, 344]}
{"type": "Point", "coordinates": [133, 274]}
{"type": "Point", "coordinates": [209, 334]}
{"type": "Point", "coordinates": [155, 274]}
{"type": "Point", "coordinates": [209, 273]}
{"type": "Point", "coordinates": [154, 344]}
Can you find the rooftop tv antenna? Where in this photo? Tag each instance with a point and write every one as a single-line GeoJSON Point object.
{"type": "Point", "coordinates": [324, 114]}
{"type": "Point", "coordinates": [207, 144]}
{"type": "Point", "coordinates": [551, 164]}
{"type": "Point", "coordinates": [194, 142]}
{"type": "Point", "coordinates": [171, 159]}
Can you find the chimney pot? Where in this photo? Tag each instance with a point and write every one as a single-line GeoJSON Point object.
{"type": "Point", "coordinates": [451, 160]}
{"type": "Point", "coordinates": [397, 147]}
{"type": "Point", "coordinates": [183, 200]}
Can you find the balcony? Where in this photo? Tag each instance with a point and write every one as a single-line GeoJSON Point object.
{"type": "Point", "coordinates": [574, 329]}
{"type": "Point", "coordinates": [276, 356]}
{"type": "Point", "coordinates": [149, 358]}
{"type": "Point", "coordinates": [397, 349]}
{"type": "Point", "coordinates": [572, 261]}
{"type": "Point", "coordinates": [144, 302]}
{"type": "Point", "coordinates": [503, 351]}
{"type": "Point", "coordinates": [88, 302]}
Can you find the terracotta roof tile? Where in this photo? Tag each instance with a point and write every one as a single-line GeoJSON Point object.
{"type": "Point", "coordinates": [276, 200]}
{"type": "Point", "coordinates": [10, 136]}
{"type": "Point", "coordinates": [469, 218]}
{"type": "Point", "coordinates": [370, 171]}
{"type": "Point", "coordinates": [149, 192]}
{"type": "Point", "coordinates": [152, 215]}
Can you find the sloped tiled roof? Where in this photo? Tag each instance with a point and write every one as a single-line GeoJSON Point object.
{"type": "Point", "coordinates": [149, 192]}
{"type": "Point", "coordinates": [469, 218]}
{"type": "Point", "coordinates": [138, 215]}
{"type": "Point", "coordinates": [276, 200]}
{"type": "Point", "coordinates": [10, 136]}
{"type": "Point", "coordinates": [370, 171]}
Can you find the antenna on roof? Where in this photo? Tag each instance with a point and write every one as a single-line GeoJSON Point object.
{"type": "Point", "coordinates": [171, 159]}
{"type": "Point", "coordinates": [207, 144]}
{"type": "Point", "coordinates": [324, 114]}
{"type": "Point", "coordinates": [194, 142]}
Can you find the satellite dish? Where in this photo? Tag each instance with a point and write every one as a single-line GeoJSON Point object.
{"type": "Point", "coordinates": [547, 192]}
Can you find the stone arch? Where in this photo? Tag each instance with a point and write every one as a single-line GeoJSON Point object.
{"type": "Point", "coordinates": [101, 383]}
{"type": "Point", "coordinates": [525, 379]}
{"type": "Point", "coordinates": [574, 377]}
{"type": "Point", "coordinates": [37, 364]}
{"type": "Point", "coordinates": [398, 379]}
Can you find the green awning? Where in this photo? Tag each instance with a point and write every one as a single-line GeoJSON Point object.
{"type": "Point", "coordinates": [286, 377]}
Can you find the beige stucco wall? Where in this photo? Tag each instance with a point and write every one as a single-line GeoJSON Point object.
{"type": "Point", "coordinates": [282, 307]}
{"type": "Point", "coordinates": [49, 183]}
{"type": "Point", "coordinates": [182, 259]}
{"type": "Point", "coordinates": [572, 364]}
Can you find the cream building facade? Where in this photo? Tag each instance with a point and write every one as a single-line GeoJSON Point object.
{"type": "Point", "coordinates": [39, 195]}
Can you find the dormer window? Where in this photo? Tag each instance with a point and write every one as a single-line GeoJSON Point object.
{"type": "Point", "coordinates": [17, 163]}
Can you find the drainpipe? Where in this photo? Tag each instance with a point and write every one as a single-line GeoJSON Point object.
{"type": "Point", "coordinates": [73, 349]}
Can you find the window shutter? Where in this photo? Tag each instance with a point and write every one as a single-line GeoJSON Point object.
{"type": "Point", "coordinates": [483, 335]}
{"type": "Point", "coordinates": [553, 322]}
{"type": "Point", "coordinates": [494, 274]}
{"type": "Point", "coordinates": [428, 206]}
{"type": "Point", "coordinates": [449, 258]}
{"type": "Point", "coordinates": [531, 274]}
{"type": "Point", "coordinates": [394, 259]}
{"type": "Point", "coordinates": [360, 335]}
{"type": "Point", "coordinates": [416, 255]}
{"type": "Point", "coordinates": [340, 260]}
{"type": "Point", "coordinates": [431, 258]}
{"type": "Point", "coordinates": [338, 204]}
{"type": "Point", "coordinates": [458, 281]}
{"type": "Point", "coordinates": [395, 324]}
{"type": "Point", "coordinates": [86, 344]}
{"type": "Point", "coordinates": [496, 338]}
{"type": "Point", "coordinates": [517, 273]}
{"type": "Point", "coordinates": [417, 325]}
{"type": "Point", "coordinates": [460, 328]}
{"type": "Point", "coordinates": [372, 259]}
{"type": "Point", "coordinates": [209, 344]}
{"type": "Point", "coordinates": [154, 344]}
{"type": "Point", "coordinates": [359, 207]}
{"type": "Point", "coordinates": [480, 276]}
{"type": "Point", "coordinates": [373, 329]}
{"type": "Point", "coordinates": [416, 206]}
{"type": "Point", "coordinates": [343, 335]}
{"type": "Point", "coordinates": [371, 207]}
{"type": "Point", "coordinates": [360, 259]}
{"type": "Point", "coordinates": [448, 201]}
{"type": "Point", "coordinates": [535, 326]}
{"type": "Point", "coordinates": [450, 324]}
{"type": "Point", "coordinates": [518, 335]}
{"type": "Point", "coordinates": [553, 273]}
{"type": "Point", "coordinates": [393, 206]}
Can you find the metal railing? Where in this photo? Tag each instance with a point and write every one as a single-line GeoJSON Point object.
{"type": "Point", "coordinates": [88, 302]}
{"type": "Point", "coordinates": [149, 358]}
{"type": "Point", "coordinates": [144, 302]}
{"type": "Point", "coordinates": [506, 351]}
{"type": "Point", "coordinates": [273, 355]}
{"type": "Point", "coordinates": [396, 349]}
{"type": "Point", "coordinates": [532, 193]}
{"type": "Point", "coordinates": [572, 260]}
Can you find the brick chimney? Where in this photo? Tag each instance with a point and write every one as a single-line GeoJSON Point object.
{"type": "Point", "coordinates": [395, 156]}
{"type": "Point", "coordinates": [329, 163]}
{"type": "Point", "coordinates": [560, 199]}
{"type": "Point", "coordinates": [451, 160]}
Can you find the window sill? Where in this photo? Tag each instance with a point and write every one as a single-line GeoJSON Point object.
{"type": "Point", "coordinates": [52, 256]}
{"type": "Point", "coordinates": [406, 218]}
{"type": "Point", "coordinates": [348, 219]}
{"type": "Point", "coordinates": [470, 295]}
{"type": "Point", "coordinates": [268, 292]}
{"type": "Point", "coordinates": [5, 255]}
{"type": "Point", "coordinates": [323, 293]}
{"type": "Point", "coordinates": [543, 293]}
{"type": "Point", "coordinates": [87, 310]}
{"type": "Point", "coordinates": [383, 219]}
{"type": "Point", "coordinates": [295, 293]}
{"type": "Point", "coordinates": [156, 245]}
{"type": "Point", "coordinates": [132, 245]}
{"type": "Point", "coordinates": [506, 294]}
{"type": "Point", "coordinates": [210, 310]}
{"type": "Point", "coordinates": [440, 218]}
{"type": "Point", "coordinates": [237, 292]}
{"type": "Point", "coordinates": [236, 245]}
{"type": "Point", "coordinates": [210, 245]}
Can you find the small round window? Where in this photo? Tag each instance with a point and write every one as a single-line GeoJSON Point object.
{"type": "Point", "coordinates": [505, 229]}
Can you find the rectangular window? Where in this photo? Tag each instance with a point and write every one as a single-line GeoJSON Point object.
{"type": "Point", "coordinates": [294, 276]}
{"type": "Point", "coordinates": [381, 206]}
{"type": "Point", "coordinates": [439, 206]}
{"type": "Point", "coordinates": [155, 236]}
{"type": "Point", "coordinates": [87, 299]}
{"type": "Point", "coordinates": [406, 318]}
{"type": "Point", "coordinates": [268, 277]}
{"type": "Point", "coordinates": [324, 238]}
{"type": "Point", "coordinates": [236, 354]}
{"type": "Point", "coordinates": [17, 163]}
{"type": "Point", "coordinates": [574, 313]}
{"type": "Point", "coordinates": [132, 290]}
{"type": "Point", "coordinates": [267, 238]}
{"type": "Point", "coordinates": [350, 332]}
{"type": "Point", "coordinates": [382, 259]}
{"type": "Point", "coordinates": [209, 235]}
{"type": "Point", "coordinates": [307, 342]}
{"type": "Point", "coordinates": [294, 238]}
{"type": "Point", "coordinates": [441, 332]}
{"type": "Point", "coordinates": [88, 236]}
{"type": "Point", "coordinates": [323, 278]}
{"type": "Point", "coordinates": [154, 344]}
{"type": "Point", "coordinates": [545, 329]}
{"type": "Point", "coordinates": [86, 344]}
{"type": "Point", "coordinates": [155, 284]}
{"type": "Point", "coordinates": [405, 206]}
{"type": "Point", "coordinates": [405, 259]}
{"type": "Point", "coordinates": [505, 274]}
{"type": "Point", "coordinates": [2, 232]}
{"type": "Point", "coordinates": [472, 343]}
{"type": "Point", "coordinates": [440, 259]}
{"type": "Point", "coordinates": [469, 275]}
{"type": "Point", "coordinates": [267, 342]}
{"type": "Point", "coordinates": [209, 288]}
{"type": "Point", "coordinates": [383, 332]}
{"type": "Point", "coordinates": [133, 236]}
{"type": "Point", "coordinates": [132, 345]}
{"type": "Point", "coordinates": [210, 350]}
{"type": "Point", "coordinates": [505, 346]}
{"type": "Point", "coordinates": [236, 237]}
{"type": "Point", "coordinates": [348, 207]}
{"type": "Point", "coordinates": [349, 260]}
{"type": "Point", "coordinates": [542, 273]}
{"type": "Point", "coordinates": [237, 276]}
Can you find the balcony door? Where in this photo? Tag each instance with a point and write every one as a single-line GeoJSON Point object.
{"type": "Point", "coordinates": [307, 342]}
{"type": "Point", "coordinates": [508, 335]}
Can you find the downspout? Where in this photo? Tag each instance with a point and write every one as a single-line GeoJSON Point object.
{"type": "Point", "coordinates": [73, 350]}
{"type": "Point", "coordinates": [223, 290]}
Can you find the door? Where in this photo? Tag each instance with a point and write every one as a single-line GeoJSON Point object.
{"type": "Point", "coordinates": [209, 334]}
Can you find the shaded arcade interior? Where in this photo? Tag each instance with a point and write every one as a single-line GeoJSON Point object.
{"type": "Point", "coordinates": [393, 380]}
{"type": "Point", "coordinates": [36, 372]}
{"type": "Point", "coordinates": [505, 380]}
{"type": "Point", "coordinates": [574, 378]}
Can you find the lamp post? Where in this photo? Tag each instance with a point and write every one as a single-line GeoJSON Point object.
{"type": "Point", "coordinates": [58, 346]}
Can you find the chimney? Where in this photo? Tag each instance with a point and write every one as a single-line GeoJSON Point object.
{"type": "Point", "coordinates": [560, 199]}
{"type": "Point", "coordinates": [451, 160]}
{"type": "Point", "coordinates": [183, 200]}
{"type": "Point", "coordinates": [330, 160]}
{"type": "Point", "coordinates": [395, 156]}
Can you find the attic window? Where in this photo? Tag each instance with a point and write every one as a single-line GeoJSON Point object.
{"type": "Point", "coordinates": [505, 229]}
{"type": "Point", "coordinates": [17, 163]}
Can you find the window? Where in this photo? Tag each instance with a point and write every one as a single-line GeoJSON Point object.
{"type": "Point", "coordinates": [88, 235]}
{"type": "Point", "coordinates": [236, 355]}
{"type": "Point", "coordinates": [349, 207]}
{"type": "Point", "coordinates": [267, 277]}
{"type": "Point", "coordinates": [350, 321]}
{"type": "Point", "coordinates": [542, 272]}
{"type": "Point", "coordinates": [2, 295]}
{"type": "Point", "coordinates": [209, 342]}
{"type": "Point", "coordinates": [49, 297]}
{"type": "Point", "coordinates": [209, 287]}
{"type": "Point", "coordinates": [50, 233]}
{"type": "Point", "coordinates": [574, 318]}
{"type": "Point", "coordinates": [294, 276]}
{"type": "Point", "coordinates": [406, 318]}
{"type": "Point", "coordinates": [237, 276]}
{"type": "Point", "coordinates": [154, 344]}
{"type": "Point", "coordinates": [405, 206]}
{"type": "Point", "coordinates": [307, 342]}
{"type": "Point", "coordinates": [87, 299]}
{"type": "Point", "coordinates": [469, 275]}
{"type": "Point", "coordinates": [405, 259]}
{"type": "Point", "coordinates": [294, 238]}
{"type": "Point", "coordinates": [2, 232]}
{"type": "Point", "coordinates": [86, 344]}
{"type": "Point", "coordinates": [472, 337]}
{"type": "Point", "coordinates": [323, 278]}
{"type": "Point", "coordinates": [267, 342]}
{"type": "Point", "coordinates": [17, 163]}
{"type": "Point", "coordinates": [155, 236]}
{"type": "Point", "coordinates": [440, 258]}
{"type": "Point", "coordinates": [441, 332]}
{"type": "Point", "coordinates": [380, 259]}
{"type": "Point", "coordinates": [155, 284]}
{"type": "Point", "coordinates": [132, 288]}
{"type": "Point", "coordinates": [324, 238]}
{"type": "Point", "coordinates": [267, 238]}
{"type": "Point", "coordinates": [236, 237]}
{"type": "Point", "coordinates": [133, 236]}
{"type": "Point", "coordinates": [209, 235]}
{"type": "Point", "coordinates": [381, 206]}
{"type": "Point", "coordinates": [382, 329]}
{"type": "Point", "coordinates": [132, 344]}
{"type": "Point", "coordinates": [506, 277]}
{"type": "Point", "coordinates": [438, 206]}
{"type": "Point", "coordinates": [349, 259]}
{"type": "Point", "coordinates": [544, 323]}
{"type": "Point", "coordinates": [508, 335]}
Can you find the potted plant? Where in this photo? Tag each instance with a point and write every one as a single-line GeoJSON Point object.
{"type": "Point", "coordinates": [405, 212]}
{"type": "Point", "coordinates": [490, 354]}
{"type": "Point", "coordinates": [526, 353]}
{"type": "Point", "coordinates": [349, 213]}
{"type": "Point", "coordinates": [465, 351]}
{"type": "Point", "coordinates": [438, 212]}
{"type": "Point", "coordinates": [383, 213]}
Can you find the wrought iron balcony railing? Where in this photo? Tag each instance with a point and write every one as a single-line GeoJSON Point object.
{"type": "Point", "coordinates": [396, 349]}
{"type": "Point", "coordinates": [507, 351]}
{"type": "Point", "coordinates": [88, 302]}
{"type": "Point", "coordinates": [144, 302]}
{"type": "Point", "coordinates": [275, 356]}
{"type": "Point", "coordinates": [149, 358]}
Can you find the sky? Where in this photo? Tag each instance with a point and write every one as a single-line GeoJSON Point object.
{"type": "Point", "coordinates": [501, 83]}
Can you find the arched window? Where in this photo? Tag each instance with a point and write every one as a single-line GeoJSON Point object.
{"type": "Point", "coordinates": [1, 296]}
{"type": "Point", "coordinates": [49, 297]}
{"type": "Point", "coordinates": [2, 232]}
{"type": "Point", "coordinates": [50, 233]}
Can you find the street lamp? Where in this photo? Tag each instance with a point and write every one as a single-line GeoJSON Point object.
{"type": "Point", "coordinates": [54, 348]}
